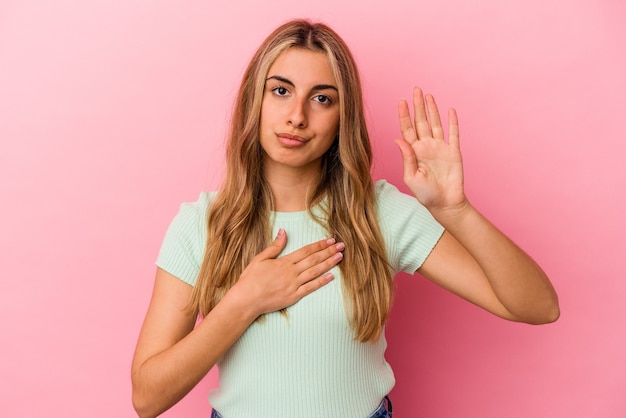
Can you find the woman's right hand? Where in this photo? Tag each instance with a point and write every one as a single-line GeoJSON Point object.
{"type": "Point", "coordinates": [270, 283]}
{"type": "Point", "coordinates": [172, 355]}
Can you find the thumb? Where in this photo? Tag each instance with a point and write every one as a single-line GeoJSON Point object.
{"type": "Point", "coordinates": [276, 246]}
{"type": "Point", "coordinates": [409, 159]}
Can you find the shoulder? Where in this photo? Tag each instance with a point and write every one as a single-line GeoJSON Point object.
{"type": "Point", "coordinates": [192, 212]}
{"type": "Point", "coordinates": [182, 248]}
{"type": "Point", "coordinates": [191, 217]}
{"type": "Point", "coordinates": [388, 197]}
{"type": "Point", "coordinates": [200, 205]}
{"type": "Point", "coordinates": [399, 209]}
{"type": "Point", "coordinates": [409, 230]}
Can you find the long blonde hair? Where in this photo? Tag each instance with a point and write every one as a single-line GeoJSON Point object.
{"type": "Point", "coordinates": [239, 217]}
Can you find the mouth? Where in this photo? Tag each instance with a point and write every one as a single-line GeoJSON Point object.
{"type": "Point", "coordinates": [291, 136]}
{"type": "Point", "coordinates": [291, 140]}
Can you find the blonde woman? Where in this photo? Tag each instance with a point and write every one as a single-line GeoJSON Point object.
{"type": "Point", "coordinates": [290, 263]}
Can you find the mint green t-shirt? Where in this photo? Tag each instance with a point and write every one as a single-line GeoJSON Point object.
{"type": "Point", "coordinates": [306, 365]}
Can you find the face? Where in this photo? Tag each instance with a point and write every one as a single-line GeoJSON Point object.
{"type": "Point", "coordinates": [299, 112]}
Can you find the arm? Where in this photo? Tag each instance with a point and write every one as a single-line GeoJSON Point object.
{"type": "Point", "coordinates": [172, 356]}
{"type": "Point", "coordinates": [473, 259]}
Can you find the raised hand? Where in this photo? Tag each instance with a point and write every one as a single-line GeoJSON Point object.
{"type": "Point", "coordinates": [433, 168]}
{"type": "Point", "coordinates": [272, 283]}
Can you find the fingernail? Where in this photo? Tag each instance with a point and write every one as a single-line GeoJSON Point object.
{"type": "Point", "coordinates": [340, 246]}
{"type": "Point", "coordinates": [338, 256]}
{"type": "Point", "coordinates": [281, 233]}
{"type": "Point", "coordinates": [330, 241]}
{"type": "Point", "coordinates": [329, 277]}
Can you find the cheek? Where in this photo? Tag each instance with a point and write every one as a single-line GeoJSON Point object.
{"type": "Point", "coordinates": [265, 115]}
{"type": "Point", "coordinates": [330, 123]}
{"type": "Point", "coordinates": [335, 125]}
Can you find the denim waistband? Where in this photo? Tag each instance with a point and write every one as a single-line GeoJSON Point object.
{"type": "Point", "coordinates": [384, 410]}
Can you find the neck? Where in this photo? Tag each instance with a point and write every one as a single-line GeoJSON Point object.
{"type": "Point", "coordinates": [290, 188]}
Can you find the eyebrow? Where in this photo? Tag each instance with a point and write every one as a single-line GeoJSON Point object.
{"type": "Point", "coordinates": [316, 87]}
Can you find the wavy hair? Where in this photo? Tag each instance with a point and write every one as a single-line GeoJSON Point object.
{"type": "Point", "coordinates": [238, 221]}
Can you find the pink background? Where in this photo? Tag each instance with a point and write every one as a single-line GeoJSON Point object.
{"type": "Point", "coordinates": [112, 113]}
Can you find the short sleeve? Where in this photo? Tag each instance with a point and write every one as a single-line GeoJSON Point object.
{"type": "Point", "coordinates": [182, 249]}
{"type": "Point", "coordinates": [409, 230]}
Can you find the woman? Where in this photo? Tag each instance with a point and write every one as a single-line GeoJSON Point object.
{"type": "Point", "coordinates": [295, 323]}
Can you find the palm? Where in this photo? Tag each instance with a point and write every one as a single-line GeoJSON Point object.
{"type": "Point", "coordinates": [433, 168]}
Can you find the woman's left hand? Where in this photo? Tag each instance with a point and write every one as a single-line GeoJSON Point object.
{"type": "Point", "coordinates": [433, 168]}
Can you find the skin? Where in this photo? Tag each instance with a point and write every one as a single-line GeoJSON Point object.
{"type": "Point", "coordinates": [171, 355]}
{"type": "Point", "coordinates": [472, 259]}
{"type": "Point", "coordinates": [299, 122]}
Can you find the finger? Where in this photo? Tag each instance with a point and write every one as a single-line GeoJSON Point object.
{"type": "Point", "coordinates": [317, 263]}
{"type": "Point", "coordinates": [318, 269]}
{"type": "Point", "coordinates": [409, 159]}
{"type": "Point", "coordinates": [406, 125]}
{"type": "Point", "coordinates": [304, 252]}
{"type": "Point", "coordinates": [275, 248]}
{"type": "Point", "coordinates": [435, 119]}
{"type": "Point", "coordinates": [312, 285]}
{"type": "Point", "coordinates": [421, 120]}
{"type": "Point", "coordinates": [453, 129]}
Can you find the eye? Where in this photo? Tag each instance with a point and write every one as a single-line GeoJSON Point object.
{"type": "Point", "coordinates": [280, 91]}
{"type": "Point", "coordinates": [323, 99]}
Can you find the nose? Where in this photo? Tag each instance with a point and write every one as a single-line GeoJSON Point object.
{"type": "Point", "coordinates": [297, 114]}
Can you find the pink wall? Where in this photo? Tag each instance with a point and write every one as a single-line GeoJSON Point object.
{"type": "Point", "coordinates": [111, 113]}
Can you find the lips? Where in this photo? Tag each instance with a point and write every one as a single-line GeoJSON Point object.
{"type": "Point", "coordinates": [290, 140]}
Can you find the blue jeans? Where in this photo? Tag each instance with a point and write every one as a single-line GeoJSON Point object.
{"type": "Point", "coordinates": [384, 410]}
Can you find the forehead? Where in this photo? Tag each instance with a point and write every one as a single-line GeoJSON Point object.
{"type": "Point", "coordinates": [301, 65]}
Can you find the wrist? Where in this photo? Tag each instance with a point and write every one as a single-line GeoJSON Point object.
{"type": "Point", "coordinates": [450, 216]}
{"type": "Point", "coordinates": [239, 305]}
